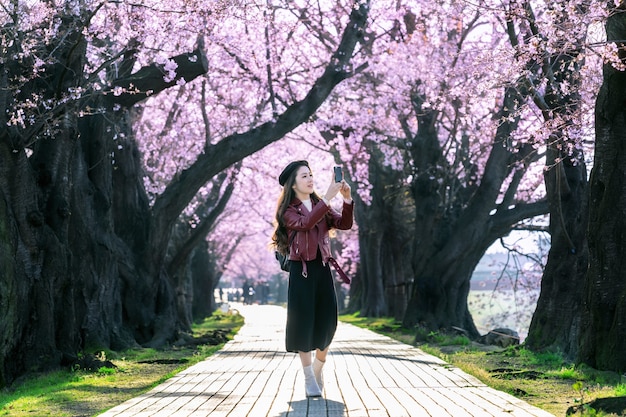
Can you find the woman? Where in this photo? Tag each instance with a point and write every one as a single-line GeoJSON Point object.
{"type": "Point", "coordinates": [303, 220]}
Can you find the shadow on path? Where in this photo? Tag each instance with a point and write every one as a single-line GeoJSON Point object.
{"type": "Point", "coordinates": [315, 407]}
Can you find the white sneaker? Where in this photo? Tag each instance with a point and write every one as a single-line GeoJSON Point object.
{"type": "Point", "coordinates": [310, 384]}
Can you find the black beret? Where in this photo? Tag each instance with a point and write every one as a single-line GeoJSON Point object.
{"type": "Point", "coordinates": [289, 169]}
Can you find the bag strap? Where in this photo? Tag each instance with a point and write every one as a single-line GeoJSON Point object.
{"type": "Point", "coordinates": [342, 274]}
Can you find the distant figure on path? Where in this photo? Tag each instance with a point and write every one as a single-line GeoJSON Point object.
{"type": "Point", "coordinates": [303, 220]}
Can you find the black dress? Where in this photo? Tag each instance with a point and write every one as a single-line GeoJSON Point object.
{"type": "Point", "coordinates": [311, 307]}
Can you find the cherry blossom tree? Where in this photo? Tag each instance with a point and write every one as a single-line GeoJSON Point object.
{"type": "Point", "coordinates": [448, 170]}
{"type": "Point", "coordinates": [472, 177]}
{"type": "Point", "coordinates": [540, 91]}
{"type": "Point", "coordinates": [131, 167]}
{"type": "Point", "coordinates": [93, 259]}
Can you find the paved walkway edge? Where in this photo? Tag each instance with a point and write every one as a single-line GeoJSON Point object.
{"type": "Point", "coordinates": [366, 375]}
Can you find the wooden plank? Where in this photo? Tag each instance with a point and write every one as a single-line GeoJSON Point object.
{"type": "Point", "coordinates": [456, 406]}
{"type": "Point", "coordinates": [414, 403]}
{"type": "Point", "coordinates": [267, 388]}
{"type": "Point", "coordinates": [333, 377]}
{"type": "Point", "coordinates": [354, 407]}
{"type": "Point", "coordinates": [366, 375]}
{"type": "Point", "coordinates": [514, 406]}
{"type": "Point", "coordinates": [357, 365]}
{"type": "Point", "coordinates": [285, 391]}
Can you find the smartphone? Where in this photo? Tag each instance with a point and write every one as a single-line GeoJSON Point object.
{"type": "Point", "coordinates": [338, 174]}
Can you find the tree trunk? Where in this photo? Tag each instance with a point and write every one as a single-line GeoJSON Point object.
{"type": "Point", "coordinates": [194, 274]}
{"type": "Point", "coordinates": [384, 242]}
{"type": "Point", "coordinates": [603, 339]}
{"type": "Point", "coordinates": [204, 282]}
{"type": "Point", "coordinates": [453, 231]}
{"type": "Point", "coordinates": [555, 324]}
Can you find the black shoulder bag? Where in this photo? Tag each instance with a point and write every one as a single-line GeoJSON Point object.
{"type": "Point", "coordinates": [283, 260]}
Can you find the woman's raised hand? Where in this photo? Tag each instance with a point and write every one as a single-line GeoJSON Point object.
{"type": "Point", "coordinates": [333, 189]}
{"type": "Point", "coordinates": [346, 191]}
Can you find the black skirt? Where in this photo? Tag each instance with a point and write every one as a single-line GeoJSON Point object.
{"type": "Point", "coordinates": [311, 307]}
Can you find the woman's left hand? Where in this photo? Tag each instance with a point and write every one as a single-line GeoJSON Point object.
{"type": "Point", "coordinates": [345, 190]}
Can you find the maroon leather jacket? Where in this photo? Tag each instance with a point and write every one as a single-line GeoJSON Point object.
{"type": "Point", "coordinates": [312, 230]}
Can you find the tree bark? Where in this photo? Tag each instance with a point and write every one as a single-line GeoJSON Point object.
{"type": "Point", "coordinates": [603, 336]}
{"type": "Point", "coordinates": [381, 286]}
{"type": "Point", "coordinates": [185, 262]}
{"type": "Point", "coordinates": [555, 324]}
{"type": "Point", "coordinates": [42, 310]}
{"type": "Point", "coordinates": [204, 278]}
{"type": "Point", "coordinates": [452, 233]}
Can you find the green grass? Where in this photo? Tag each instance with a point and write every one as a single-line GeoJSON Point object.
{"type": "Point", "coordinates": [76, 392]}
{"type": "Point", "coordinates": [383, 325]}
{"type": "Point", "coordinates": [545, 380]}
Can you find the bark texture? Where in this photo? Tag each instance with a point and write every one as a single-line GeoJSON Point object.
{"type": "Point", "coordinates": [556, 322]}
{"type": "Point", "coordinates": [381, 286]}
{"type": "Point", "coordinates": [555, 325]}
{"type": "Point", "coordinates": [603, 337]}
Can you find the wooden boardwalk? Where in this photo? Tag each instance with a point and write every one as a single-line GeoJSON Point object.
{"type": "Point", "coordinates": [366, 375]}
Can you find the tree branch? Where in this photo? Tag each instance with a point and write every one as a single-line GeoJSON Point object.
{"type": "Point", "coordinates": [503, 220]}
{"type": "Point", "coordinates": [237, 146]}
{"type": "Point", "coordinates": [150, 80]}
{"type": "Point", "coordinates": [203, 228]}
